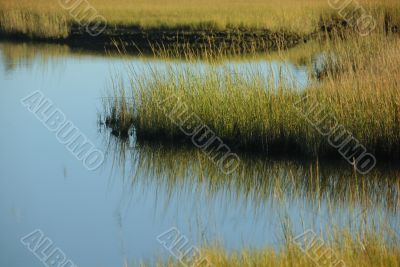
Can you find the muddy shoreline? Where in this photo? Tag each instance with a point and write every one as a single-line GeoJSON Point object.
{"type": "Point", "coordinates": [135, 39]}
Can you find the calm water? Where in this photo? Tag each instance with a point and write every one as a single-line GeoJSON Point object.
{"type": "Point", "coordinates": [112, 216]}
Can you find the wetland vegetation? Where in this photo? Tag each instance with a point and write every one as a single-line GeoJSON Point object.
{"type": "Point", "coordinates": [227, 25]}
{"type": "Point", "coordinates": [357, 85]}
{"type": "Point", "coordinates": [289, 86]}
{"type": "Point", "coordinates": [355, 79]}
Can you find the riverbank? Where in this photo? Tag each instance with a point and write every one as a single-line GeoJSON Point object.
{"type": "Point", "coordinates": [152, 24]}
{"type": "Point", "coordinates": [136, 39]}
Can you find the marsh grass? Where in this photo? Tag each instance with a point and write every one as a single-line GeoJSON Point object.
{"type": "Point", "coordinates": [27, 23]}
{"type": "Point", "coordinates": [368, 249]}
{"type": "Point", "coordinates": [346, 248]}
{"type": "Point", "coordinates": [251, 111]}
{"type": "Point", "coordinates": [47, 19]}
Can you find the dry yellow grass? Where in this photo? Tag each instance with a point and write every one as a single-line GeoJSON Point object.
{"type": "Point", "coordinates": [348, 252]}
{"type": "Point", "coordinates": [344, 247]}
{"type": "Point", "coordinates": [300, 16]}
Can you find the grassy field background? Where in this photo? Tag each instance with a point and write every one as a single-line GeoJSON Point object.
{"type": "Point", "coordinates": [48, 18]}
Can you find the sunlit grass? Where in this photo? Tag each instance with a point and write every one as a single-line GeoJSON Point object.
{"type": "Point", "coordinates": [347, 249]}
{"type": "Point", "coordinates": [47, 18]}
{"type": "Point", "coordinates": [359, 87]}
{"type": "Point", "coordinates": [26, 22]}
{"type": "Point", "coordinates": [369, 249]}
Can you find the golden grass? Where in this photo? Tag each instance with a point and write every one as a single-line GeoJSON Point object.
{"type": "Point", "coordinates": [359, 88]}
{"type": "Point", "coordinates": [377, 253]}
{"type": "Point", "coordinates": [46, 25]}
{"type": "Point", "coordinates": [370, 249]}
{"type": "Point", "coordinates": [300, 16]}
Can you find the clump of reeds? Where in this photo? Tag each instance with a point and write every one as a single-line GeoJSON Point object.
{"type": "Point", "coordinates": [249, 110]}
{"type": "Point", "coordinates": [362, 245]}
{"type": "Point", "coordinates": [27, 23]}
{"type": "Point", "coordinates": [347, 251]}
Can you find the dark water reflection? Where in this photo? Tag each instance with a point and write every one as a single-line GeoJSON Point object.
{"type": "Point", "coordinates": [257, 180]}
{"type": "Point", "coordinates": [263, 192]}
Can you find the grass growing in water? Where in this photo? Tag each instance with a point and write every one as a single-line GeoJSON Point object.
{"type": "Point", "coordinates": [343, 246]}
{"type": "Point", "coordinates": [370, 249]}
{"type": "Point", "coordinates": [250, 111]}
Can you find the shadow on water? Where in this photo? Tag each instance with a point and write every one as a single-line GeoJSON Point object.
{"type": "Point", "coordinates": [322, 194]}
{"type": "Point", "coordinates": [26, 53]}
